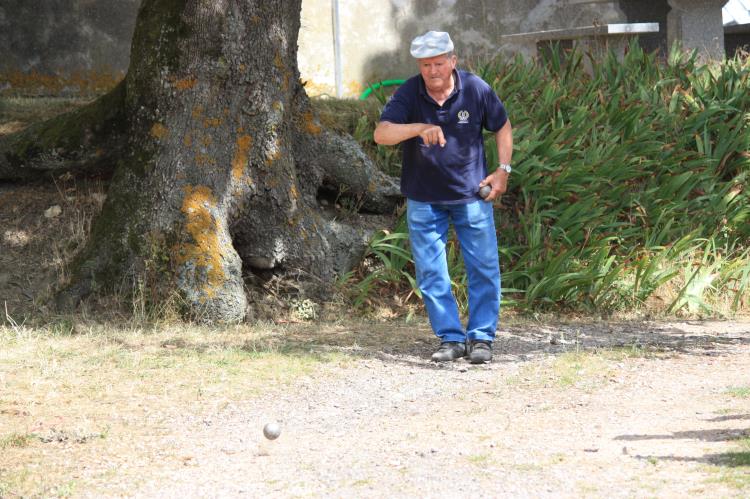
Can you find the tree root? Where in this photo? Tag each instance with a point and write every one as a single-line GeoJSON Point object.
{"type": "Point", "coordinates": [88, 139]}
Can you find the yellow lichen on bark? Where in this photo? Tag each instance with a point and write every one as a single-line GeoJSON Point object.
{"type": "Point", "coordinates": [278, 61]}
{"type": "Point", "coordinates": [205, 250]}
{"type": "Point", "coordinates": [244, 143]}
{"type": "Point", "coordinates": [185, 83]}
{"type": "Point", "coordinates": [159, 131]}
{"type": "Point", "coordinates": [310, 125]}
{"type": "Point", "coordinates": [284, 72]}
{"type": "Point", "coordinates": [204, 160]}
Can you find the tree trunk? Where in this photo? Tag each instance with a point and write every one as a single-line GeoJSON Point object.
{"type": "Point", "coordinates": [220, 161]}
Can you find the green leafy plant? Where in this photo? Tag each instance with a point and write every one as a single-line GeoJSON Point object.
{"type": "Point", "coordinates": [629, 188]}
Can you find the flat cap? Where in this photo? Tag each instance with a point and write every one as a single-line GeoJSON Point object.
{"type": "Point", "coordinates": [431, 44]}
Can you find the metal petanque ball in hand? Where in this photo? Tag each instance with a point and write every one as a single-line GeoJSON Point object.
{"type": "Point", "coordinates": [485, 191]}
{"type": "Point", "coordinates": [272, 431]}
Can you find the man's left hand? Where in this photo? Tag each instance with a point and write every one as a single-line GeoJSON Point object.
{"type": "Point", "coordinates": [498, 180]}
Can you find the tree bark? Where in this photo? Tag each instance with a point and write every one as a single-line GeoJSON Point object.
{"type": "Point", "coordinates": [219, 161]}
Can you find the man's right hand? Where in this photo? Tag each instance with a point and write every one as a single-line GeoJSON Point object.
{"type": "Point", "coordinates": [432, 135]}
{"type": "Point", "coordinates": [388, 134]}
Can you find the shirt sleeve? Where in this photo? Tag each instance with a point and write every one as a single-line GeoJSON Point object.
{"type": "Point", "coordinates": [397, 108]}
{"type": "Point", "coordinates": [495, 115]}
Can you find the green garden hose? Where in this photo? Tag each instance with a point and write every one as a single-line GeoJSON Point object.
{"type": "Point", "coordinates": [384, 83]}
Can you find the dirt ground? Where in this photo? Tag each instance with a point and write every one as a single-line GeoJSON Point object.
{"type": "Point", "coordinates": [41, 227]}
{"type": "Point", "coordinates": [582, 409]}
{"type": "Point", "coordinates": [395, 425]}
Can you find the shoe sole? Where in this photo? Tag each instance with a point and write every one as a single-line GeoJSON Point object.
{"type": "Point", "coordinates": [447, 360]}
{"type": "Point", "coordinates": [479, 361]}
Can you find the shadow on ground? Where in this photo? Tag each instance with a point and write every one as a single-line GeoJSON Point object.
{"type": "Point", "coordinates": [728, 459]}
{"type": "Point", "coordinates": [526, 341]}
{"type": "Point", "coordinates": [413, 344]}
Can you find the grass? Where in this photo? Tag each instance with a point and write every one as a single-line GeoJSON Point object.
{"type": "Point", "coordinates": [92, 392]}
{"type": "Point", "coordinates": [587, 370]}
{"type": "Point", "coordinates": [579, 369]}
{"type": "Point", "coordinates": [741, 392]}
{"type": "Point", "coordinates": [180, 360]}
{"type": "Point", "coordinates": [16, 440]}
{"type": "Point", "coordinates": [31, 109]}
{"type": "Point", "coordinates": [582, 369]}
{"type": "Point", "coordinates": [733, 468]}
{"type": "Point", "coordinates": [482, 460]}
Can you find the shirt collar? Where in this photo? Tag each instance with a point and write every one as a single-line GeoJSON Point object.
{"type": "Point", "coordinates": [457, 87]}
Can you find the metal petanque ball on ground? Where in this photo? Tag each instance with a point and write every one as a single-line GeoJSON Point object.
{"type": "Point", "coordinates": [272, 431]}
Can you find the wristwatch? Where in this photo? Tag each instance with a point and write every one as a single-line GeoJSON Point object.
{"type": "Point", "coordinates": [505, 166]}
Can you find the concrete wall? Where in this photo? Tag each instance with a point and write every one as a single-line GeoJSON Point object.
{"type": "Point", "coordinates": [59, 35]}
{"type": "Point", "coordinates": [375, 36]}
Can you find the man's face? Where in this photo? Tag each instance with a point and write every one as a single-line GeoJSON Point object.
{"type": "Point", "coordinates": [436, 71]}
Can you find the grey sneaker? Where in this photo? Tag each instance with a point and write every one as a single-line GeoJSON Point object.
{"type": "Point", "coordinates": [480, 352]}
{"type": "Point", "coordinates": [449, 350]}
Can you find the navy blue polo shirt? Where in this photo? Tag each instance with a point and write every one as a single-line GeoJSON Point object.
{"type": "Point", "coordinates": [450, 174]}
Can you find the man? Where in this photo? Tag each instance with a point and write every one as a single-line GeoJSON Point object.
{"type": "Point", "coordinates": [439, 115]}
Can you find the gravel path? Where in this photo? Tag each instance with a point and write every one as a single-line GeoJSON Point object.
{"type": "Point", "coordinates": [659, 420]}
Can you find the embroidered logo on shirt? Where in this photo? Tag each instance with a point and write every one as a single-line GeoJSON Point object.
{"type": "Point", "coordinates": [463, 116]}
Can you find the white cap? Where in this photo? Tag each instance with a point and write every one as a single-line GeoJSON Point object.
{"type": "Point", "coordinates": [431, 44]}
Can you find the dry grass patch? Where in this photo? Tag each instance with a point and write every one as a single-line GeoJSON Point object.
{"type": "Point", "coordinates": [67, 401]}
{"type": "Point", "coordinates": [181, 364]}
{"type": "Point", "coordinates": [583, 369]}
{"type": "Point", "coordinates": [25, 110]}
{"type": "Point", "coordinates": [733, 468]}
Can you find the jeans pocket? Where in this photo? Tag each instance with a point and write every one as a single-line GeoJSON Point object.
{"type": "Point", "coordinates": [479, 213]}
{"type": "Point", "coordinates": [419, 213]}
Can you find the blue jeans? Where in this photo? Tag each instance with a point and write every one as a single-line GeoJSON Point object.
{"type": "Point", "coordinates": [475, 227]}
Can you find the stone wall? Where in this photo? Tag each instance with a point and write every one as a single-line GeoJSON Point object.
{"type": "Point", "coordinates": [59, 42]}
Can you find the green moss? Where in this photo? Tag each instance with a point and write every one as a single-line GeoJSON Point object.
{"type": "Point", "coordinates": [105, 257]}
{"type": "Point", "coordinates": [92, 124]}
{"type": "Point", "coordinates": [139, 162]}
{"type": "Point", "coordinates": [134, 242]}
{"type": "Point", "coordinates": [159, 28]}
